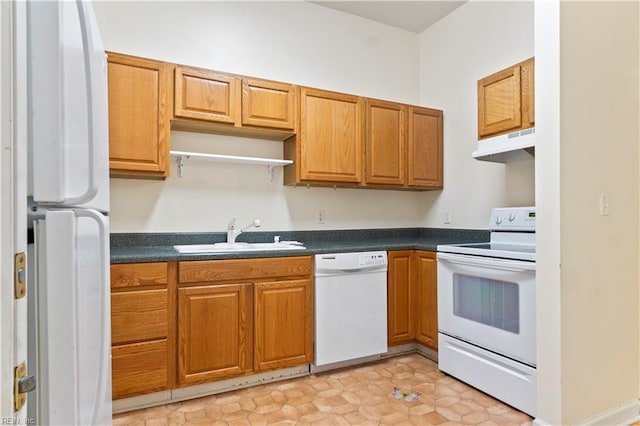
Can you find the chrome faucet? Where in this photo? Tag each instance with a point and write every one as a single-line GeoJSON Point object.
{"type": "Point", "coordinates": [232, 233]}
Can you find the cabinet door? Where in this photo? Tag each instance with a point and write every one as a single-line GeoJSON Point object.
{"type": "Point", "coordinates": [139, 116]}
{"type": "Point", "coordinates": [499, 108]}
{"type": "Point", "coordinates": [214, 325]}
{"type": "Point", "coordinates": [427, 296]}
{"type": "Point", "coordinates": [528, 93]}
{"type": "Point", "coordinates": [400, 297]}
{"type": "Point", "coordinates": [425, 148]}
{"type": "Point", "coordinates": [283, 324]}
{"type": "Point", "coordinates": [386, 141]}
{"type": "Point", "coordinates": [268, 104]}
{"type": "Point", "coordinates": [330, 144]}
{"type": "Point", "coordinates": [206, 95]}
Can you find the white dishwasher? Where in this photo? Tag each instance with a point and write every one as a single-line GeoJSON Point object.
{"type": "Point", "coordinates": [350, 308]}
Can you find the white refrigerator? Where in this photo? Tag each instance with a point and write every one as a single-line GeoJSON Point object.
{"type": "Point", "coordinates": [69, 339]}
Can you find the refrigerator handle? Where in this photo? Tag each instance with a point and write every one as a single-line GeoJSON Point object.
{"type": "Point", "coordinates": [106, 311]}
{"type": "Point", "coordinates": [92, 187]}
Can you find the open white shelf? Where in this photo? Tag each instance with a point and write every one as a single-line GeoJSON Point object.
{"type": "Point", "coordinates": [180, 156]}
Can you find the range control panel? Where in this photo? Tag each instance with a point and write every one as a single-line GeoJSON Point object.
{"type": "Point", "coordinates": [520, 219]}
{"type": "Point", "coordinates": [371, 259]}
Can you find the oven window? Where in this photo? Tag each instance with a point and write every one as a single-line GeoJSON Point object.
{"type": "Point", "coordinates": [491, 302]}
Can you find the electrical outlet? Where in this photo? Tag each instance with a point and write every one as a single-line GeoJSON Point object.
{"type": "Point", "coordinates": [447, 217]}
{"type": "Point", "coordinates": [320, 216]}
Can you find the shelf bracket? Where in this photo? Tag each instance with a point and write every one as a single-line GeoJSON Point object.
{"type": "Point", "coordinates": [270, 172]}
{"type": "Point", "coordinates": [180, 160]}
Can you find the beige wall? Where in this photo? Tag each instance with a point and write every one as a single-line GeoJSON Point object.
{"type": "Point", "coordinates": [599, 45]}
{"type": "Point", "coordinates": [588, 338]}
{"type": "Point", "coordinates": [475, 40]}
{"type": "Point", "coordinates": [307, 44]}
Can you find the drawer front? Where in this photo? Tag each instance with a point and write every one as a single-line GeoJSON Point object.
{"type": "Point", "coordinates": [139, 315]}
{"type": "Point", "coordinates": [138, 274]}
{"type": "Point", "coordinates": [243, 269]}
{"type": "Point", "coordinates": [139, 368]}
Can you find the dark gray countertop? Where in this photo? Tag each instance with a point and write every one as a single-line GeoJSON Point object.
{"type": "Point", "coordinates": [158, 247]}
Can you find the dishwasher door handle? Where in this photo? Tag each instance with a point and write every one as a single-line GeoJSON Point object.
{"type": "Point", "coordinates": [334, 271]}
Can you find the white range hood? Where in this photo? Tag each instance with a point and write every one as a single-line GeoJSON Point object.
{"type": "Point", "coordinates": [516, 146]}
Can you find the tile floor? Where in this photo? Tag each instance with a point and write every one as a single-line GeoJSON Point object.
{"type": "Point", "coordinates": [361, 395]}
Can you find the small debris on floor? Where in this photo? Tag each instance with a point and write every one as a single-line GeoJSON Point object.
{"type": "Point", "coordinates": [407, 396]}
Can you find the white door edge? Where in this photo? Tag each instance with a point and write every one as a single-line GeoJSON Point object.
{"type": "Point", "coordinates": [13, 133]}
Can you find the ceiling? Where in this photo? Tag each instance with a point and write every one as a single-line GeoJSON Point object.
{"type": "Point", "coordinates": [414, 16]}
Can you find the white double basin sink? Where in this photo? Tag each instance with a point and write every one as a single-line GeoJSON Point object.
{"type": "Point", "coordinates": [238, 247]}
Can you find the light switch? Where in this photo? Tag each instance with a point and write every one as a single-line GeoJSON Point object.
{"type": "Point", "coordinates": [604, 204]}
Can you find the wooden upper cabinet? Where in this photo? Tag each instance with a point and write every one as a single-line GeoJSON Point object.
{"type": "Point", "coordinates": [139, 116]}
{"type": "Point", "coordinates": [268, 104]}
{"type": "Point", "coordinates": [206, 95]}
{"type": "Point", "coordinates": [385, 143]}
{"type": "Point", "coordinates": [527, 82]}
{"type": "Point", "coordinates": [330, 140]}
{"type": "Point", "coordinates": [506, 100]}
{"type": "Point", "coordinates": [425, 157]}
{"type": "Point", "coordinates": [223, 98]}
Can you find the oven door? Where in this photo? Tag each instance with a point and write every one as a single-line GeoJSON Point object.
{"type": "Point", "coordinates": [489, 302]}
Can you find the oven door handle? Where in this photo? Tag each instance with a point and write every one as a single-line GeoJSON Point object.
{"type": "Point", "coordinates": [485, 262]}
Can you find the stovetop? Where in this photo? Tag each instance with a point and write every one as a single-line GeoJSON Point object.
{"type": "Point", "coordinates": [512, 236]}
{"type": "Point", "coordinates": [525, 252]}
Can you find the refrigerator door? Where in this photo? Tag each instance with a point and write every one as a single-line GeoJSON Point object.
{"type": "Point", "coordinates": [68, 110]}
{"type": "Point", "coordinates": [73, 315]}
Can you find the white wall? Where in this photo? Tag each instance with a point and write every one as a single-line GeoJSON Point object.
{"type": "Point", "coordinates": [307, 44]}
{"type": "Point", "coordinates": [296, 42]}
{"type": "Point", "coordinates": [548, 284]}
{"type": "Point", "coordinates": [475, 40]}
{"type": "Point", "coordinates": [6, 298]}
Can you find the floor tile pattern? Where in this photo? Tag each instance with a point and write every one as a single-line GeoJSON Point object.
{"type": "Point", "coordinates": [363, 395]}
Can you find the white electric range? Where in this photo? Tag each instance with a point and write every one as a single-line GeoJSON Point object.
{"type": "Point", "coordinates": [487, 309]}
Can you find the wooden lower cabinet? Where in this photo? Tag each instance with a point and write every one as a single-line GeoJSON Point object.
{"type": "Point", "coordinates": [177, 324]}
{"type": "Point", "coordinates": [240, 316]}
{"type": "Point", "coordinates": [213, 332]}
{"type": "Point", "coordinates": [139, 368]}
{"type": "Point", "coordinates": [400, 298]}
{"type": "Point", "coordinates": [412, 298]}
{"type": "Point", "coordinates": [283, 324]}
{"type": "Point", "coordinates": [142, 328]}
{"type": "Point", "coordinates": [426, 283]}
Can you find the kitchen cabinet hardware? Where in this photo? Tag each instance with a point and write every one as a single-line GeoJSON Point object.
{"type": "Point", "coordinates": [180, 156]}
